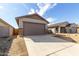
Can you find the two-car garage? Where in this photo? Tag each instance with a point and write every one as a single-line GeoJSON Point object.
{"type": "Point", "coordinates": [33, 28]}
{"type": "Point", "coordinates": [31, 25]}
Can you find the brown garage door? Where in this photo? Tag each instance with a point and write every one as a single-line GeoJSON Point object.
{"type": "Point", "coordinates": [4, 32]}
{"type": "Point", "coordinates": [33, 28]}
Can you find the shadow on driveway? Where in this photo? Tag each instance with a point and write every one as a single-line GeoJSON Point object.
{"type": "Point", "coordinates": [49, 38]}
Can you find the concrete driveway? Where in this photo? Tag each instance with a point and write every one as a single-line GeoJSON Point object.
{"type": "Point", "coordinates": [48, 45]}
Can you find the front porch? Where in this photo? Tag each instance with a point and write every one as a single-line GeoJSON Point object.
{"type": "Point", "coordinates": [65, 30]}
{"type": "Point", "coordinates": [60, 30]}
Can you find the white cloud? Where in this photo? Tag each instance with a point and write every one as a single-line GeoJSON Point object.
{"type": "Point", "coordinates": [53, 5]}
{"type": "Point", "coordinates": [31, 11]}
{"type": "Point", "coordinates": [51, 19]}
{"type": "Point", "coordinates": [1, 7]}
{"type": "Point", "coordinates": [43, 7]}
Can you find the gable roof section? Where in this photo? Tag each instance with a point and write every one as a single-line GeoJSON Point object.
{"type": "Point", "coordinates": [62, 24]}
{"type": "Point", "coordinates": [1, 20]}
{"type": "Point", "coordinates": [33, 16]}
{"type": "Point", "coordinates": [74, 25]}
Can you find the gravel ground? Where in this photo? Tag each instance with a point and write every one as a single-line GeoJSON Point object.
{"type": "Point", "coordinates": [14, 46]}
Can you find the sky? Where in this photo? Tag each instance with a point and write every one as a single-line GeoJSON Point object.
{"type": "Point", "coordinates": [53, 12]}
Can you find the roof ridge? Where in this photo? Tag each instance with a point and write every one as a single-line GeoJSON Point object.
{"type": "Point", "coordinates": [5, 22]}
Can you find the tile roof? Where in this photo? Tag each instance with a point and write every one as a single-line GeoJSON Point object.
{"type": "Point", "coordinates": [62, 24]}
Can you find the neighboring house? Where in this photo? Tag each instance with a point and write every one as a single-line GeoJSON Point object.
{"type": "Point", "coordinates": [32, 24]}
{"type": "Point", "coordinates": [6, 30]}
{"type": "Point", "coordinates": [63, 27]}
{"type": "Point", "coordinates": [72, 28]}
{"type": "Point", "coordinates": [78, 29]}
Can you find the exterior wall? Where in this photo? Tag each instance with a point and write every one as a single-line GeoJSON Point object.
{"type": "Point", "coordinates": [20, 31]}
{"type": "Point", "coordinates": [7, 26]}
{"type": "Point", "coordinates": [62, 30]}
{"type": "Point", "coordinates": [10, 31]}
{"type": "Point", "coordinates": [53, 30]}
{"type": "Point", "coordinates": [46, 27]}
{"type": "Point", "coordinates": [58, 30]}
{"type": "Point", "coordinates": [65, 30]}
{"type": "Point", "coordinates": [78, 30]}
{"type": "Point", "coordinates": [2, 24]}
{"type": "Point", "coordinates": [71, 29]}
{"type": "Point", "coordinates": [29, 20]}
{"type": "Point", "coordinates": [68, 29]}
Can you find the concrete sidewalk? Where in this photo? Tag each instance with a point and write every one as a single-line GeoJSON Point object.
{"type": "Point", "coordinates": [46, 45]}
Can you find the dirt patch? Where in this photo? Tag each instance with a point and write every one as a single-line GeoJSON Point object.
{"type": "Point", "coordinates": [12, 46]}
{"type": "Point", "coordinates": [65, 38]}
{"type": "Point", "coordinates": [73, 36]}
{"type": "Point", "coordinates": [18, 47]}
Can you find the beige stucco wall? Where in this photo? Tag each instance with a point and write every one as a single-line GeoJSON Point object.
{"type": "Point", "coordinates": [2, 24]}
{"type": "Point", "coordinates": [77, 30]}
{"type": "Point", "coordinates": [11, 31]}
{"type": "Point", "coordinates": [53, 30]}
{"type": "Point", "coordinates": [8, 26]}
{"type": "Point", "coordinates": [29, 20]}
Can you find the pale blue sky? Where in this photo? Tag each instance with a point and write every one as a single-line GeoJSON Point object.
{"type": "Point", "coordinates": [51, 12]}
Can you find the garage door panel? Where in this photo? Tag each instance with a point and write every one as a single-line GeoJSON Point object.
{"type": "Point", "coordinates": [4, 32]}
{"type": "Point", "coordinates": [33, 28]}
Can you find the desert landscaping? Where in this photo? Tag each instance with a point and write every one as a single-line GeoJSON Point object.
{"type": "Point", "coordinates": [14, 46]}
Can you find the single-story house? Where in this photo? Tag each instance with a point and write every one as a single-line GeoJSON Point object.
{"type": "Point", "coordinates": [63, 27]}
{"type": "Point", "coordinates": [32, 24]}
{"type": "Point", "coordinates": [6, 29]}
